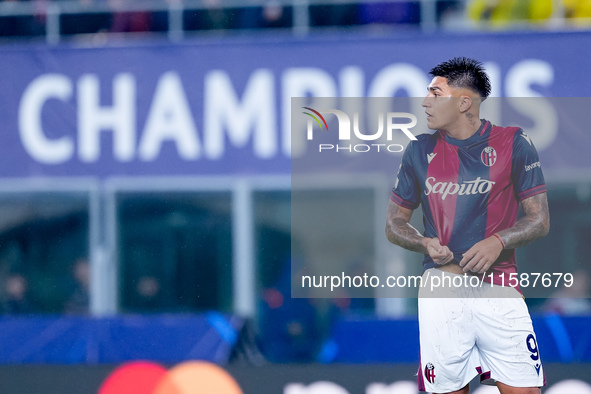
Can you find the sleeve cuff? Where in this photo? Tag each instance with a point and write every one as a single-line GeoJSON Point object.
{"type": "Point", "coordinates": [532, 192]}
{"type": "Point", "coordinates": [402, 202]}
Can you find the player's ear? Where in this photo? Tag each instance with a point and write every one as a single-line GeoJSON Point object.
{"type": "Point", "coordinates": [465, 103]}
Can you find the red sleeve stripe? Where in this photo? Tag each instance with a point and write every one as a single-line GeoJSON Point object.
{"type": "Point", "coordinates": [532, 192]}
{"type": "Point", "coordinates": [402, 202]}
{"type": "Point", "coordinates": [420, 379]}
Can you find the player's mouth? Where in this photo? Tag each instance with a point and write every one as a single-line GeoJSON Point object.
{"type": "Point", "coordinates": [428, 115]}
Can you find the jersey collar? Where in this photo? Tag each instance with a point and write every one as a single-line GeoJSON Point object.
{"type": "Point", "coordinates": [481, 133]}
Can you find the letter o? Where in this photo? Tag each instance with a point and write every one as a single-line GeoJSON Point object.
{"type": "Point", "coordinates": [371, 280]}
{"type": "Point", "coordinates": [488, 184]}
{"type": "Point", "coordinates": [360, 281]}
{"type": "Point", "coordinates": [400, 148]}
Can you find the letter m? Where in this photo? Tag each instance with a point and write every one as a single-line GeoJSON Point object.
{"type": "Point", "coordinates": [253, 116]}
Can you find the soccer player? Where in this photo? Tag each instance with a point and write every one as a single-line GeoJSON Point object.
{"type": "Point", "coordinates": [470, 177]}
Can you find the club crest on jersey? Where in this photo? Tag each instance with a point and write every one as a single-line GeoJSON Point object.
{"type": "Point", "coordinates": [430, 372]}
{"type": "Point", "coordinates": [488, 156]}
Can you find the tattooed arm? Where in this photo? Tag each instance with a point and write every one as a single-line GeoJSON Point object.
{"type": "Point", "coordinates": [400, 232]}
{"type": "Point", "coordinates": [535, 224]}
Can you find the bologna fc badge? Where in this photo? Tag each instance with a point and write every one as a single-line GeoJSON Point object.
{"type": "Point", "coordinates": [430, 372]}
{"type": "Point", "coordinates": [488, 156]}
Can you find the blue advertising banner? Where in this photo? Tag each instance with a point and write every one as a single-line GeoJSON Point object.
{"type": "Point", "coordinates": [221, 107]}
{"type": "Point", "coordinates": [80, 339]}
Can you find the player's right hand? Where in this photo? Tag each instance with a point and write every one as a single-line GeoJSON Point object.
{"type": "Point", "coordinates": [439, 253]}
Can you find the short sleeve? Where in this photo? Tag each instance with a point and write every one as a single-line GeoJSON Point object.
{"type": "Point", "coordinates": [406, 191]}
{"type": "Point", "coordinates": [528, 179]}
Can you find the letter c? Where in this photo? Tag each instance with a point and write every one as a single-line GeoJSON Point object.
{"type": "Point", "coordinates": [33, 138]}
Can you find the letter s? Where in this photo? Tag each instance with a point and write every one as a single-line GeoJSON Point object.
{"type": "Point", "coordinates": [428, 185]}
{"type": "Point", "coordinates": [530, 103]}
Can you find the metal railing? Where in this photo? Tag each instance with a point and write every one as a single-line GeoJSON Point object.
{"type": "Point", "coordinates": [301, 23]}
{"type": "Point", "coordinates": [50, 13]}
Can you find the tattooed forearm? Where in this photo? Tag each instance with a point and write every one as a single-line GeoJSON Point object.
{"type": "Point", "coordinates": [400, 232]}
{"type": "Point", "coordinates": [535, 224]}
{"type": "Point", "coordinates": [403, 234]}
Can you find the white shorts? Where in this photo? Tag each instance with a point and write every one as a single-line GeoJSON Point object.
{"type": "Point", "coordinates": [472, 331]}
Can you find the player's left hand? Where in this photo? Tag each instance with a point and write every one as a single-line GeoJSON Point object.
{"type": "Point", "coordinates": [482, 255]}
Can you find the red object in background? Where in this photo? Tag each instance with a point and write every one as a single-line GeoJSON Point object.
{"type": "Point", "coordinates": [137, 377]}
{"type": "Point", "coordinates": [273, 298]}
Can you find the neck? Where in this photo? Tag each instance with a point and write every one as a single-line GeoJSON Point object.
{"type": "Point", "coordinates": [464, 129]}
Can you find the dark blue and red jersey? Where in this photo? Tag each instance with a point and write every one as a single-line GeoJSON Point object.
{"type": "Point", "coordinates": [469, 189]}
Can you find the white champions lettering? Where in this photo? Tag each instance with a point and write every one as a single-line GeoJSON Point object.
{"type": "Point", "coordinates": [477, 186]}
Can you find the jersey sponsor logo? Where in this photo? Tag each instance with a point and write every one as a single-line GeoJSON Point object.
{"type": "Point", "coordinates": [488, 156]}
{"type": "Point", "coordinates": [430, 157]}
{"type": "Point", "coordinates": [477, 186]}
{"type": "Point", "coordinates": [532, 166]}
{"type": "Point", "coordinates": [430, 372]}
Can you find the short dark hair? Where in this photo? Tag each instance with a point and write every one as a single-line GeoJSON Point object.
{"type": "Point", "coordinates": [463, 72]}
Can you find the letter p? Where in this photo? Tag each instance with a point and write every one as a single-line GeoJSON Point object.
{"type": "Point", "coordinates": [332, 282]}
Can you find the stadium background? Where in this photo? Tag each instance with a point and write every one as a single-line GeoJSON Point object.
{"type": "Point", "coordinates": [145, 186]}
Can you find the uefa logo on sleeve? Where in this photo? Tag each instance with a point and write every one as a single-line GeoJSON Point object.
{"type": "Point", "coordinates": [488, 156]}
